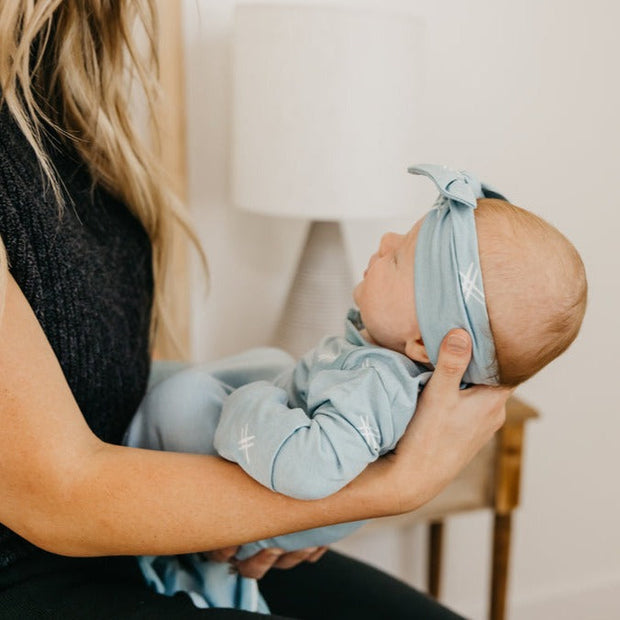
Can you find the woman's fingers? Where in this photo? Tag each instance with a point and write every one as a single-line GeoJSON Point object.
{"type": "Point", "coordinates": [221, 555]}
{"type": "Point", "coordinates": [256, 566]}
{"type": "Point", "coordinates": [317, 555]}
{"type": "Point", "coordinates": [293, 558]}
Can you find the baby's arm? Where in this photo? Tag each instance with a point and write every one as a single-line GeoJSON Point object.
{"type": "Point", "coordinates": [354, 420]}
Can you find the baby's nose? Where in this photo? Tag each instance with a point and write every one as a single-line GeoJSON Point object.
{"type": "Point", "coordinates": [387, 241]}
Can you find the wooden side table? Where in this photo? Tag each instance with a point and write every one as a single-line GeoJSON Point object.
{"type": "Point", "coordinates": [506, 485]}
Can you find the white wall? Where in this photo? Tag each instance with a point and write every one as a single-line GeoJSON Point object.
{"type": "Point", "coordinates": [526, 93]}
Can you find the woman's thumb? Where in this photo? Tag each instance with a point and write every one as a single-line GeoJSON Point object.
{"type": "Point", "coordinates": [454, 357]}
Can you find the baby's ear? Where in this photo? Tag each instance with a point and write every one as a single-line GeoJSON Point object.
{"type": "Point", "coordinates": [415, 350]}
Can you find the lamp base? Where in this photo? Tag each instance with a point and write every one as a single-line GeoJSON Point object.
{"type": "Point", "coordinates": [320, 294]}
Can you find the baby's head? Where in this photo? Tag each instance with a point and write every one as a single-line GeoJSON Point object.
{"type": "Point", "coordinates": [535, 287]}
{"type": "Point", "coordinates": [525, 312]}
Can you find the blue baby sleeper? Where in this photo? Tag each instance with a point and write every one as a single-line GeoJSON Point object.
{"type": "Point", "coordinates": [344, 385]}
{"type": "Point", "coordinates": [306, 429]}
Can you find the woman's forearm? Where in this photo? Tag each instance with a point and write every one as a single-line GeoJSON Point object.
{"type": "Point", "coordinates": [128, 501]}
{"type": "Point", "coordinates": [66, 491]}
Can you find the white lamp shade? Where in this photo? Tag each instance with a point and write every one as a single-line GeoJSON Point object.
{"type": "Point", "coordinates": [324, 111]}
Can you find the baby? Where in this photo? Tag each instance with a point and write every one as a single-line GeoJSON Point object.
{"type": "Point", "coordinates": [306, 429]}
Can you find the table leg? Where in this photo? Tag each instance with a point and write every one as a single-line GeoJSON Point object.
{"type": "Point", "coordinates": [499, 569]}
{"type": "Point", "coordinates": [435, 541]}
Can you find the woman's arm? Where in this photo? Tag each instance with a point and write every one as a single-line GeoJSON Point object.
{"type": "Point", "coordinates": [68, 492]}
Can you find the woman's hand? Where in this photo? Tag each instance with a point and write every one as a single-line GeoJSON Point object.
{"type": "Point", "coordinates": [449, 427]}
{"type": "Point", "coordinates": [258, 565]}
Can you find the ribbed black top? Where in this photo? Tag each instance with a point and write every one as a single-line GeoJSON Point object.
{"type": "Point", "coordinates": [87, 275]}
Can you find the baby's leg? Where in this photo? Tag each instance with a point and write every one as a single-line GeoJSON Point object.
{"type": "Point", "coordinates": [183, 403]}
{"type": "Point", "coordinates": [179, 413]}
{"type": "Point", "coordinates": [258, 364]}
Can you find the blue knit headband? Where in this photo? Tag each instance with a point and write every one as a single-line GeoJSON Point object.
{"type": "Point", "coordinates": [448, 281]}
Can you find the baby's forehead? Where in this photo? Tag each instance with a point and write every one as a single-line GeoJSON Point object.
{"type": "Point", "coordinates": [413, 233]}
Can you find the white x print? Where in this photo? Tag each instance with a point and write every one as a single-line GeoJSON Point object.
{"type": "Point", "coordinates": [369, 432]}
{"type": "Point", "coordinates": [246, 442]}
{"type": "Point", "coordinates": [469, 284]}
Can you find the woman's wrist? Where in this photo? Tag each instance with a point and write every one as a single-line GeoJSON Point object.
{"type": "Point", "coordinates": [385, 489]}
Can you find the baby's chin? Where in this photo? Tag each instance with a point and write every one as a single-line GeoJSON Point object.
{"type": "Point", "coordinates": [367, 337]}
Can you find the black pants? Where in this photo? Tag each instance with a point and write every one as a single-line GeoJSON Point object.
{"type": "Point", "coordinates": [336, 587]}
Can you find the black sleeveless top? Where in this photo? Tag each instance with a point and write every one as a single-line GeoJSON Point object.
{"type": "Point", "coordinates": [87, 275]}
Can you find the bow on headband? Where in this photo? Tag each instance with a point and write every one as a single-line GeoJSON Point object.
{"type": "Point", "coordinates": [448, 282]}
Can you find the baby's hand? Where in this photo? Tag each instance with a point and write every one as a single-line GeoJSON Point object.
{"type": "Point", "coordinates": [258, 565]}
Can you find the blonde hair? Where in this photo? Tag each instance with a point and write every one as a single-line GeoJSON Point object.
{"type": "Point", "coordinates": [536, 288]}
{"type": "Point", "coordinates": [70, 65]}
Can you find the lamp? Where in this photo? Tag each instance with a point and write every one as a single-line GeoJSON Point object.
{"type": "Point", "coordinates": [323, 128]}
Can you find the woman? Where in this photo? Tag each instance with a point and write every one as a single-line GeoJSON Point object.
{"type": "Point", "coordinates": [85, 220]}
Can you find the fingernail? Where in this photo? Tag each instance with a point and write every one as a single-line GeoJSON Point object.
{"type": "Point", "coordinates": [457, 344]}
{"type": "Point", "coordinates": [276, 553]}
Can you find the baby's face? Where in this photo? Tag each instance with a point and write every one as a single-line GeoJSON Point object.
{"type": "Point", "coordinates": [385, 296]}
